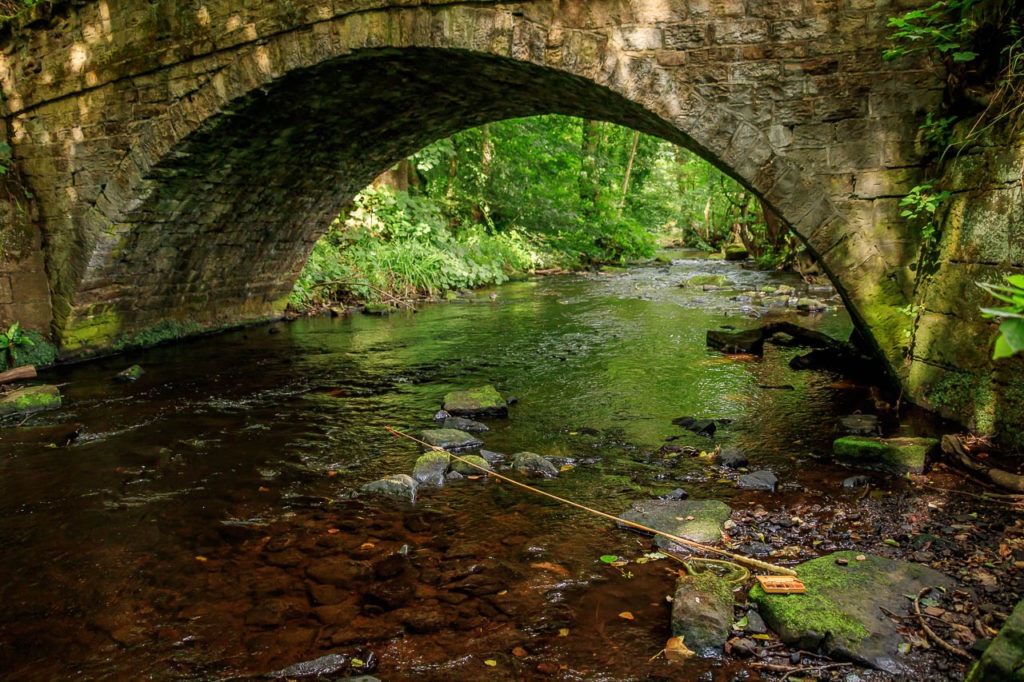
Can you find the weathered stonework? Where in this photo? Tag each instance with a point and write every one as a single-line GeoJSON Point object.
{"type": "Point", "coordinates": [185, 156]}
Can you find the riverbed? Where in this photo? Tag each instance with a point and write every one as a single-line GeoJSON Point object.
{"type": "Point", "coordinates": [201, 522]}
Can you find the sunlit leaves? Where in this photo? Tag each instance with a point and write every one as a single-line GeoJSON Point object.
{"type": "Point", "coordinates": [1011, 331]}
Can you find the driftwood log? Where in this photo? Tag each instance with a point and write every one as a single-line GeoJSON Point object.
{"type": "Point", "coordinates": [17, 374]}
{"type": "Point", "coordinates": [952, 446]}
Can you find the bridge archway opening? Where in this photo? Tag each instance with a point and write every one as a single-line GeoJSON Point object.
{"type": "Point", "coordinates": [229, 216]}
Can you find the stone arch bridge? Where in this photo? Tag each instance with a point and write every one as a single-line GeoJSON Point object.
{"type": "Point", "coordinates": [183, 157]}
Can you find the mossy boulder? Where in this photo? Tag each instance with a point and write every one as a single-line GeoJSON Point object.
{"type": "Point", "coordinates": [736, 252]}
{"type": "Point", "coordinates": [431, 468]}
{"type": "Point", "coordinates": [719, 281]}
{"type": "Point", "coordinates": [532, 464]}
{"type": "Point", "coordinates": [696, 520]}
{"type": "Point", "coordinates": [702, 610]}
{"type": "Point", "coordinates": [29, 400]}
{"type": "Point", "coordinates": [898, 455]}
{"type": "Point", "coordinates": [400, 486]}
{"type": "Point", "coordinates": [1003, 660]}
{"type": "Point", "coordinates": [452, 440]}
{"type": "Point", "coordinates": [483, 401]}
{"type": "Point", "coordinates": [467, 470]}
{"type": "Point", "coordinates": [841, 612]}
{"type": "Point", "coordinates": [131, 374]}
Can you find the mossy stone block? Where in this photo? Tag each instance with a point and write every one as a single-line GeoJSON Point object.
{"type": "Point", "coordinates": [452, 440]}
{"type": "Point", "coordinates": [431, 467]}
{"type": "Point", "coordinates": [467, 470]}
{"type": "Point", "coordinates": [841, 611]}
{"type": "Point", "coordinates": [695, 520]}
{"type": "Point", "coordinates": [1003, 660]}
{"type": "Point", "coordinates": [29, 400]}
{"type": "Point", "coordinates": [898, 455]}
{"type": "Point", "coordinates": [483, 401]}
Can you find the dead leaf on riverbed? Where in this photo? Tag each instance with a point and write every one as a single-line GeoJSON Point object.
{"type": "Point", "coordinates": [554, 568]}
{"type": "Point", "coordinates": [676, 651]}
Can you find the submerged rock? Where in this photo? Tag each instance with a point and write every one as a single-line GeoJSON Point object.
{"type": "Point", "coordinates": [715, 281]}
{"type": "Point", "coordinates": [483, 401]}
{"type": "Point", "coordinates": [860, 425]}
{"type": "Point", "coordinates": [451, 439]}
{"type": "Point", "coordinates": [463, 424]}
{"type": "Point", "coordinates": [746, 342]}
{"type": "Point", "coordinates": [841, 611]}
{"type": "Point", "coordinates": [400, 486]}
{"type": "Point", "coordinates": [533, 464]}
{"type": "Point", "coordinates": [696, 520]}
{"type": "Point", "coordinates": [29, 400]}
{"type": "Point", "coordinates": [702, 427]}
{"type": "Point", "coordinates": [897, 455]}
{"type": "Point", "coordinates": [702, 612]}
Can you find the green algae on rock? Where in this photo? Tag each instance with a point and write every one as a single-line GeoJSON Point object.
{"type": "Point", "coordinates": [30, 399]}
{"type": "Point", "coordinates": [483, 401]}
{"type": "Point", "coordinates": [898, 455]}
{"type": "Point", "coordinates": [841, 612]}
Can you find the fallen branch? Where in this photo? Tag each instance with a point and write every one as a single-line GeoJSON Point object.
{"type": "Point", "coordinates": [951, 445]}
{"type": "Point", "coordinates": [391, 298]}
{"type": "Point", "coordinates": [738, 558]}
{"type": "Point", "coordinates": [18, 373]}
{"type": "Point", "coordinates": [793, 669]}
{"type": "Point", "coordinates": [931, 633]}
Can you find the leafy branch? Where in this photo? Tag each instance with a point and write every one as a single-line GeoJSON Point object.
{"type": "Point", "coordinates": [920, 205]}
{"type": "Point", "coordinates": [944, 27]}
{"type": "Point", "coordinates": [1011, 331]}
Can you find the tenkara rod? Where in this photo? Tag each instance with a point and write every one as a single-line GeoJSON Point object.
{"type": "Point", "coordinates": [738, 558]}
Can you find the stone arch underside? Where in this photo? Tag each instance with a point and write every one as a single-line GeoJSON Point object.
{"type": "Point", "coordinates": [199, 201]}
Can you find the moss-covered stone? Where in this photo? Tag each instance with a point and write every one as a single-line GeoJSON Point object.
{"type": "Point", "coordinates": [736, 252]}
{"type": "Point", "coordinates": [532, 464]}
{"type": "Point", "coordinates": [708, 281]}
{"type": "Point", "coordinates": [130, 374]}
{"type": "Point", "coordinates": [841, 610]}
{"type": "Point", "coordinates": [483, 401]}
{"type": "Point", "coordinates": [431, 468]}
{"type": "Point", "coordinates": [467, 470]}
{"type": "Point", "coordinates": [29, 400]}
{"type": "Point", "coordinates": [898, 455]}
{"type": "Point", "coordinates": [453, 440]}
{"type": "Point", "coordinates": [400, 486]}
{"type": "Point", "coordinates": [702, 610]}
{"type": "Point", "coordinates": [1003, 660]}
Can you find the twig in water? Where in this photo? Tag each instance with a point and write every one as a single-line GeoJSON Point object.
{"type": "Point", "coordinates": [738, 558]}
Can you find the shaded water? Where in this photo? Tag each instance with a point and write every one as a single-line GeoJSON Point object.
{"type": "Point", "coordinates": [199, 527]}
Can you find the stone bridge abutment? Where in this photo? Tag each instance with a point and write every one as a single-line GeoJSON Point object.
{"type": "Point", "coordinates": [184, 157]}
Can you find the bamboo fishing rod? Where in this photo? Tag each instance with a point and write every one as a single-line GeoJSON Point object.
{"type": "Point", "coordinates": [738, 558]}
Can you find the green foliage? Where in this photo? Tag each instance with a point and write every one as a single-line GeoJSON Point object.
{"type": "Point", "coordinates": [1011, 331]}
{"type": "Point", "coordinates": [920, 205]}
{"type": "Point", "coordinates": [11, 341]}
{"type": "Point", "coordinates": [945, 27]}
{"type": "Point", "coordinates": [5, 158]}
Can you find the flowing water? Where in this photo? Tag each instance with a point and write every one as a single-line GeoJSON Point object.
{"type": "Point", "coordinates": [201, 525]}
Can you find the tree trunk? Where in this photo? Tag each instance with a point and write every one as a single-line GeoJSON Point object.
{"type": "Point", "coordinates": [629, 171]}
{"type": "Point", "coordinates": [26, 372]}
{"type": "Point", "coordinates": [588, 187]}
{"type": "Point", "coordinates": [486, 163]}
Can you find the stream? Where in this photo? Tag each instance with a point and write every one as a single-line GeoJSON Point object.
{"type": "Point", "coordinates": [201, 525]}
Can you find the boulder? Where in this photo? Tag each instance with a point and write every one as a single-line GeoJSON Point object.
{"type": "Point", "coordinates": [329, 665]}
{"type": "Point", "coordinates": [731, 458]}
{"type": "Point", "coordinates": [702, 612]}
{"type": "Point", "coordinates": [29, 400]}
{"type": "Point", "coordinates": [430, 468]}
{"type": "Point", "coordinates": [532, 464]}
{"type": "Point", "coordinates": [1003, 660]}
{"type": "Point", "coordinates": [483, 401]}
{"type": "Point", "coordinates": [399, 485]}
{"type": "Point", "coordinates": [463, 424]}
{"type": "Point", "coordinates": [452, 440]}
{"type": "Point", "coordinates": [841, 611]}
{"type": "Point", "coordinates": [467, 470]}
{"type": "Point", "coordinates": [735, 252]}
{"type": "Point", "coordinates": [697, 520]}
{"type": "Point", "coordinates": [898, 455]}
{"type": "Point", "coordinates": [762, 479]}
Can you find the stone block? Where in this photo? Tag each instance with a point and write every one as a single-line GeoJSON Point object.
{"type": "Point", "coordinates": [641, 38]}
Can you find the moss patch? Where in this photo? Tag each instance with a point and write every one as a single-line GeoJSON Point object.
{"type": "Point", "coordinates": [841, 610]}
{"type": "Point", "coordinates": [29, 400]}
{"type": "Point", "coordinates": [475, 402]}
{"type": "Point", "coordinates": [891, 454]}
{"type": "Point", "coordinates": [708, 281]}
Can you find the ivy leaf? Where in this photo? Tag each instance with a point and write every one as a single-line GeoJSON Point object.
{"type": "Point", "coordinates": [1011, 338]}
{"type": "Point", "coordinates": [964, 56]}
